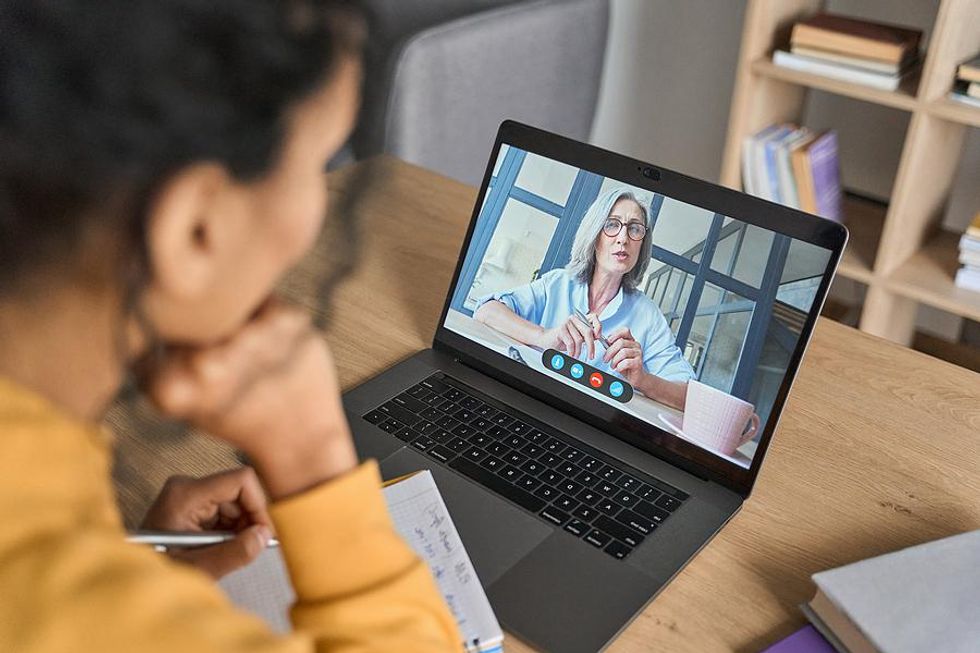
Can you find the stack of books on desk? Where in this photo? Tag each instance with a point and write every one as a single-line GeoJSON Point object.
{"type": "Point", "coordinates": [967, 86]}
{"type": "Point", "coordinates": [852, 50]}
{"type": "Point", "coordinates": [794, 166]}
{"type": "Point", "coordinates": [968, 276]}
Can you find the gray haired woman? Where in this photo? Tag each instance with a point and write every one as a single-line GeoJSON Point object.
{"type": "Point", "coordinates": [609, 256]}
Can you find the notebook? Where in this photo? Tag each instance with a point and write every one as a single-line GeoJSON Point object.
{"type": "Point", "coordinates": [421, 518]}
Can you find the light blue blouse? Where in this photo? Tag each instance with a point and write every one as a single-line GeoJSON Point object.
{"type": "Point", "coordinates": [549, 301]}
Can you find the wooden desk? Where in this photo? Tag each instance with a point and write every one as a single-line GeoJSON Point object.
{"type": "Point", "coordinates": [877, 448]}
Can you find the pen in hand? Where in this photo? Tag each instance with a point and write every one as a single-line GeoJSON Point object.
{"type": "Point", "coordinates": [585, 319]}
{"type": "Point", "coordinates": [165, 540]}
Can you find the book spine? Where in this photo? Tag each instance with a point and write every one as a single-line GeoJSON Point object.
{"type": "Point", "coordinates": [808, 35]}
{"type": "Point", "coordinates": [825, 168]}
{"type": "Point", "coordinates": [835, 71]}
{"type": "Point", "coordinates": [804, 180]}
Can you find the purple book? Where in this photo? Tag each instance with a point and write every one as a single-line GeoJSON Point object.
{"type": "Point", "coordinates": [805, 640]}
{"type": "Point", "coordinates": [825, 168]}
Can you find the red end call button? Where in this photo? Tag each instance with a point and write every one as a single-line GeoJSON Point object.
{"type": "Point", "coordinates": [595, 380]}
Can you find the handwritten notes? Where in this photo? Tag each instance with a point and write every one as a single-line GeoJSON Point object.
{"type": "Point", "coordinates": [421, 517]}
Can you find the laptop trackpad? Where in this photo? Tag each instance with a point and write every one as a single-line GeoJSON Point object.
{"type": "Point", "coordinates": [496, 534]}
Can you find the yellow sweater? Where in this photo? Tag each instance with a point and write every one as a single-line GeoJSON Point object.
{"type": "Point", "coordinates": [69, 581]}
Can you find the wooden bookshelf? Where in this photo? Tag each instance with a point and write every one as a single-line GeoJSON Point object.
{"type": "Point", "coordinates": [897, 250]}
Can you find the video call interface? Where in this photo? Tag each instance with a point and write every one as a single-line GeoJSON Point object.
{"type": "Point", "coordinates": [676, 315]}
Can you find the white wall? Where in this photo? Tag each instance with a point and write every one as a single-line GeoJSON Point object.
{"type": "Point", "coordinates": [667, 86]}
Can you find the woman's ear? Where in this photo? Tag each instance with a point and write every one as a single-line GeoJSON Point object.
{"type": "Point", "coordinates": [184, 231]}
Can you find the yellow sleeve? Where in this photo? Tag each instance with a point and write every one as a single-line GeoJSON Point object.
{"type": "Point", "coordinates": [359, 587]}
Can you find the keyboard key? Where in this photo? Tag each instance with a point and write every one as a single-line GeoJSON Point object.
{"type": "Point", "coordinates": [566, 503]}
{"type": "Point", "coordinates": [572, 455]}
{"type": "Point", "coordinates": [418, 391]}
{"type": "Point", "coordinates": [618, 530]}
{"type": "Point", "coordinates": [502, 420]}
{"type": "Point", "coordinates": [458, 445]}
{"type": "Point", "coordinates": [442, 436]}
{"type": "Point", "coordinates": [440, 452]}
{"type": "Point", "coordinates": [532, 450]}
{"type": "Point", "coordinates": [577, 527]}
{"type": "Point", "coordinates": [549, 459]}
{"type": "Point", "coordinates": [437, 401]}
{"type": "Point", "coordinates": [546, 492]}
{"type": "Point", "coordinates": [409, 403]}
{"type": "Point", "coordinates": [608, 507]}
{"type": "Point", "coordinates": [569, 487]}
{"type": "Point", "coordinates": [480, 439]}
{"type": "Point", "coordinates": [555, 516]}
{"type": "Point", "coordinates": [535, 436]}
{"type": "Point", "coordinates": [529, 483]}
{"type": "Point", "coordinates": [433, 384]}
{"type": "Point", "coordinates": [636, 521]}
{"type": "Point", "coordinates": [667, 502]}
{"type": "Point", "coordinates": [532, 467]}
{"type": "Point", "coordinates": [430, 414]}
{"type": "Point", "coordinates": [476, 454]}
{"type": "Point", "coordinates": [394, 411]}
{"type": "Point", "coordinates": [648, 493]}
{"type": "Point", "coordinates": [405, 434]}
{"type": "Point", "coordinates": [464, 431]}
{"type": "Point", "coordinates": [499, 485]}
{"type": "Point", "coordinates": [515, 458]}
{"type": "Point", "coordinates": [597, 538]}
{"type": "Point", "coordinates": [471, 403]}
{"type": "Point", "coordinates": [555, 447]}
{"type": "Point", "coordinates": [497, 432]}
{"type": "Point", "coordinates": [452, 394]}
{"type": "Point", "coordinates": [427, 428]}
{"type": "Point", "coordinates": [491, 463]}
{"type": "Point", "coordinates": [610, 474]}
{"type": "Point", "coordinates": [498, 448]}
{"type": "Point", "coordinates": [651, 511]}
{"type": "Point", "coordinates": [481, 423]}
{"type": "Point", "coordinates": [447, 422]}
{"type": "Point", "coordinates": [551, 477]}
{"type": "Point", "coordinates": [391, 426]}
{"type": "Point", "coordinates": [617, 550]}
{"type": "Point", "coordinates": [464, 415]}
{"type": "Point", "coordinates": [515, 441]}
{"type": "Point", "coordinates": [627, 483]}
{"type": "Point", "coordinates": [568, 469]}
{"type": "Point", "coordinates": [585, 513]}
{"type": "Point", "coordinates": [423, 444]}
{"type": "Point", "coordinates": [486, 412]}
{"type": "Point", "coordinates": [510, 472]}
{"type": "Point", "coordinates": [375, 416]}
{"type": "Point", "coordinates": [588, 479]}
{"type": "Point", "coordinates": [606, 489]}
{"type": "Point", "coordinates": [625, 499]}
{"type": "Point", "coordinates": [591, 464]}
{"type": "Point", "coordinates": [519, 428]}
{"type": "Point", "coordinates": [589, 497]}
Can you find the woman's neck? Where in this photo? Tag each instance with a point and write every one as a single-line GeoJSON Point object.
{"type": "Point", "coordinates": [603, 289]}
{"type": "Point", "coordinates": [64, 346]}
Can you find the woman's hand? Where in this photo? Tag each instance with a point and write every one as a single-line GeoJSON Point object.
{"type": "Point", "coordinates": [270, 390]}
{"type": "Point", "coordinates": [229, 501]}
{"type": "Point", "coordinates": [572, 336]}
{"type": "Point", "coordinates": [625, 356]}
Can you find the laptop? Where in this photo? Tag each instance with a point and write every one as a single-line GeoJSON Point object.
{"type": "Point", "coordinates": [615, 349]}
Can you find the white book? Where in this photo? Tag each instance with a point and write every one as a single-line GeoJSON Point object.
{"type": "Point", "coordinates": [965, 99]}
{"type": "Point", "coordinates": [882, 67]}
{"type": "Point", "coordinates": [767, 183]}
{"type": "Point", "coordinates": [969, 243]}
{"type": "Point", "coordinates": [422, 519]}
{"type": "Point", "coordinates": [836, 71]}
{"type": "Point", "coordinates": [968, 278]}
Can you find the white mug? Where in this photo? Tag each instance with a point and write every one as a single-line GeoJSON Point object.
{"type": "Point", "coordinates": [717, 419]}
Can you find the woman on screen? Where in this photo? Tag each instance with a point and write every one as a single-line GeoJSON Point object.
{"type": "Point", "coordinates": [626, 333]}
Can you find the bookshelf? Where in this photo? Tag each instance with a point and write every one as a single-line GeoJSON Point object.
{"type": "Point", "coordinates": [900, 253]}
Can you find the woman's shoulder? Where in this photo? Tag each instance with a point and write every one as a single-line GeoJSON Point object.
{"type": "Point", "coordinates": [642, 306]}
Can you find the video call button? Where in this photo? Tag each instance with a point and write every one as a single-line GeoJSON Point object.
{"type": "Point", "coordinates": [587, 376]}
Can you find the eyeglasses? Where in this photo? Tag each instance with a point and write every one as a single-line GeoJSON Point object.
{"type": "Point", "coordinates": [635, 230]}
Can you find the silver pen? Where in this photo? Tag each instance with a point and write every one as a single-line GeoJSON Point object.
{"type": "Point", "coordinates": [585, 318]}
{"type": "Point", "coordinates": [163, 540]}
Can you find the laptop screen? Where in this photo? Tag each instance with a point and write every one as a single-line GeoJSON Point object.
{"type": "Point", "coordinates": [671, 313]}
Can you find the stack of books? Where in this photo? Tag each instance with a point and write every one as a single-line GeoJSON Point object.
{"type": "Point", "coordinates": [968, 276]}
{"type": "Point", "coordinates": [852, 50]}
{"type": "Point", "coordinates": [967, 86]}
{"type": "Point", "coordinates": [794, 166]}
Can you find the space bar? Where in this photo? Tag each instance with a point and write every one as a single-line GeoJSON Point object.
{"type": "Point", "coordinates": [488, 479]}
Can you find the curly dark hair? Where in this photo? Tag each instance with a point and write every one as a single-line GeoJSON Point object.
{"type": "Point", "coordinates": [100, 100]}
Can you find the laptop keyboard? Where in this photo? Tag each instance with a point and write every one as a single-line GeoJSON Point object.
{"type": "Point", "coordinates": [606, 504]}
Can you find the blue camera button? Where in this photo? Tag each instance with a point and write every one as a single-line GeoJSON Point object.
{"type": "Point", "coordinates": [577, 371]}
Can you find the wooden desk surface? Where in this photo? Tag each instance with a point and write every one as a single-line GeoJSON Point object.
{"type": "Point", "coordinates": [877, 448]}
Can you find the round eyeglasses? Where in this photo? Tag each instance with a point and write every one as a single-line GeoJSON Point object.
{"type": "Point", "coordinates": [635, 230]}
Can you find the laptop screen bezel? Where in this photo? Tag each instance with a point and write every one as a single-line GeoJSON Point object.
{"type": "Point", "coordinates": [644, 435]}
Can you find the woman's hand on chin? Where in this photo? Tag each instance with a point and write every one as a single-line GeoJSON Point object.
{"type": "Point", "coordinates": [270, 390]}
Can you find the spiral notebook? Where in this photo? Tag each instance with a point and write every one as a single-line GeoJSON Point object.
{"type": "Point", "coordinates": [422, 519]}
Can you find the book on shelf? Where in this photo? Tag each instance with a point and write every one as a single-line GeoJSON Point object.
{"type": "Point", "coordinates": [969, 70]}
{"type": "Point", "coordinates": [968, 276]}
{"type": "Point", "coordinates": [961, 92]}
{"type": "Point", "coordinates": [922, 598]}
{"type": "Point", "coordinates": [794, 166]}
{"type": "Point", "coordinates": [842, 72]}
{"type": "Point", "coordinates": [973, 229]}
{"type": "Point", "coordinates": [855, 37]}
{"type": "Point", "coordinates": [872, 65]}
